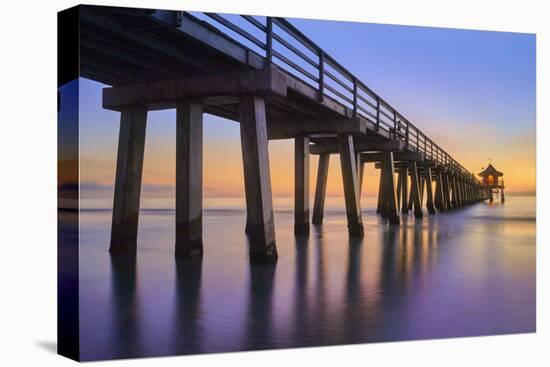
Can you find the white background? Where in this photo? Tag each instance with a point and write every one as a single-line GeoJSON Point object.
{"type": "Point", "coordinates": [28, 182]}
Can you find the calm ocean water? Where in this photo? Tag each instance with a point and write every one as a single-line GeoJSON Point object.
{"type": "Point", "coordinates": [464, 273]}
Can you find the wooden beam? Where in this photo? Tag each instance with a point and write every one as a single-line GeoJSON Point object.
{"type": "Point", "coordinates": [320, 189]}
{"type": "Point", "coordinates": [129, 168]}
{"type": "Point", "coordinates": [189, 152]}
{"type": "Point", "coordinates": [290, 129]}
{"type": "Point", "coordinates": [96, 24]}
{"type": "Point", "coordinates": [257, 181]}
{"type": "Point", "coordinates": [398, 156]}
{"type": "Point", "coordinates": [301, 185]}
{"type": "Point", "coordinates": [214, 39]}
{"type": "Point", "coordinates": [361, 146]}
{"type": "Point", "coordinates": [164, 94]}
{"type": "Point", "coordinates": [401, 164]}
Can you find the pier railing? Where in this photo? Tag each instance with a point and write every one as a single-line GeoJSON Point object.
{"type": "Point", "coordinates": [282, 44]}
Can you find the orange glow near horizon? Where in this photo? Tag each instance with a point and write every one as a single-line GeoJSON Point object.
{"type": "Point", "coordinates": [223, 173]}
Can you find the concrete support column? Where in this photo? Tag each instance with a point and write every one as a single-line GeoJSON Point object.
{"type": "Point", "coordinates": [257, 179]}
{"type": "Point", "coordinates": [502, 195]}
{"type": "Point", "coordinates": [429, 192]}
{"type": "Point", "coordinates": [381, 186]}
{"type": "Point", "coordinates": [321, 188]}
{"type": "Point", "coordinates": [189, 154]}
{"type": "Point", "coordinates": [390, 197]}
{"type": "Point", "coordinates": [439, 196]}
{"type": "Point", "coordinates": [415, 190]}
{"type": "Point", "coordinates": [301, 185]}
{"type": "Point", "coordinates": [422, 181]}
{"type": "Point", "coordinates": [360, 175]}
{"type": "Point", "coordinates": [465, 192]}
{"type": "Point", "coordinates": [129, 167]}
{"type": "Point", "coordinates": [410, 203]}
{"type": "Point", "coordinates": [447, 191]}
{"type": "Point", "coordinates": [460, 192]}
{"type": "Point", "coordinates": [399, 188]}
{"type": "Point", "coordinates": [454, 191]}
{"type": "Point", "coordinates": [404, 190]}
{"type": "Point", "coordinates": [348, 162]}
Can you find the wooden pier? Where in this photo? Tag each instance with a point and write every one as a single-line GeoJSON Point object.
{"type": "Point", "coordinates": [278, 86]}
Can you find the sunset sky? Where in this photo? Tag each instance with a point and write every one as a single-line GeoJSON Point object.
{"type": "Point", "coordinates": [472, 92]}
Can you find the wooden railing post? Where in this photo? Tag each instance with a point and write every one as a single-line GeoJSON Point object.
{"type": "Point", "coordinates": [268, 41]}
{"type": "Point", "coordinates": [354, 97]}
{"type": "Point", "coordinates": [394, 123]}
{"type": "Point", "coordinates": [377, 113]}
{"type": "Point", "coordinates": [407, 134]}
{"type": "Point", "coordinates": [425, 144]}
{"type": "Point", "coordinates": [321, 75]}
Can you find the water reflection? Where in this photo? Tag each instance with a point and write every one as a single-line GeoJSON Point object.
{"type": "Point", "coordinates": [449, 275]}
{"type": "Point", "coordinates": [187, 333]}
{"type": "Point", "coordinates": [125, 333]}
{"type": "Point", "coordinates": [320, 312]}
{"type": "Point", "coordinates": [301, 295]}
{"type": "Point", "coordinates": [260, 307]}
{"type": "Point", "coordinates": [354, 292]}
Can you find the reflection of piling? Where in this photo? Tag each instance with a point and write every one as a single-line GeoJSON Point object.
{"type": "Point", "coordinates": [187, 309]}
{"type": "Point", "coordinates": [301, 294]}
{"type": "Point", "coordinates": [125, 331]}
{"type": "Point", "coordinates": [260, 306]}
{"type": "Point", "coordinates": [353, 290]}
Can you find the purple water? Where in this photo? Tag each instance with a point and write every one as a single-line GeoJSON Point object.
{"type": "Point", "coordinates": [464, 273]}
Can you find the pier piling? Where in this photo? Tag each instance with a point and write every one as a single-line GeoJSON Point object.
{"type": "Point", "coordinates": [189, 157]}
{"type": "Point", "coordinates": [404, 190]}
{"type": "Point", "coordinates": [390, 196]}
{"type": "Point", "coordinates": [320, 189]}
{"type": "Point", "coordinates": [415, 190]}
{"type": "Point", "coordinates": [429, 193]}
{"type": "Point", "coordinates": [257, 182]}
{"type": "Point", "coordinates": [348, 162]}
{"type": "Point", "coordinates": [301, 185]}
{"type": "Point", "coordinates": [209, 72]}
{"type": "Point", "coordinates": [129, 168]}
